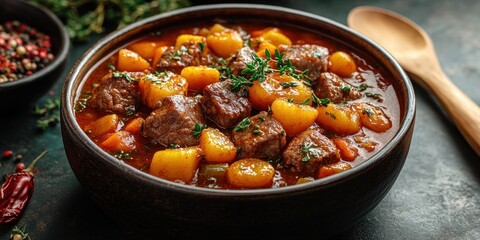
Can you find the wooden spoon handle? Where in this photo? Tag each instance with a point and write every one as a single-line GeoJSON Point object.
{"type": "Point", "coordinates": [463, 111]}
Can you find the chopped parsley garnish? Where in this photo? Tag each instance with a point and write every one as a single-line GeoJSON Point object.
{"type": "Point", "coordinates": [239, 150]}
{"type": "Point", "coordinates": [362, 87]}
{"type": "Point", "coordinates": [202, 46]}
{"type": "Point", "coordinates": [245, 123]}
{"type": "Point", "coordinates": [158, 78]}
{"type": "Point", "coordinates": [305, 102]}
{"type": "Point", "coordinates": [331, 115]}
{"type": "Point", "coordinates": [345, 89]}
{"type": "Point", "coordinates": [308, 150]}
{"type": "Point", "coordinates": [367, 111]}
{"type": "Point", "coordinates": [198, 129]}
{"type": "Point", "coordinates": [123, 75]}
{"type": "Point", "coordinates": [112, 67]}
{"type": "Point", "coordinates": [177, 55]}
{"type": "Point", "coordinates": [122, 155]}
{"type": "Point", "coordinates": [173, 146]}
{"type": "Point", "coordinates": [320, 102]}
{"type": "Point", "coordinates": [82, 102]}
{"type": "Point", "coordinates": [288, 84]}
{"type": "Point", "coordinates": [256, 130]}
{"type": "Point", "coordinates": [375, 96]}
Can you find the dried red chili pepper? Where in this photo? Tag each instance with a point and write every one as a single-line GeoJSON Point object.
{"type": "Point", "coordinates": [16, 192]}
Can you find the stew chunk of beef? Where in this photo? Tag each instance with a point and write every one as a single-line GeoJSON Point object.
{"type": "Point", "coordinates": [307, 151]}
{"type": "Point", "coordinates": [239, 61]}
{"type": "Point", "coordinates": [191, 54]}
{"type": "Point", "coordinates": [173, 122]}
{"type": "Point", "coordinates": [309, 57]}
{"type": "Point", "coordinates": [117, 92]}
{"type": "Point", "coordinates": [224, 107]}
{"type": "Point", "coordinates": [259, 136]}
{"type": "Point", "coordinates": [332, 86]}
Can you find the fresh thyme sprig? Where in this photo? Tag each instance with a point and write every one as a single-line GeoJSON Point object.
{"type": "Point", "coordinates": [85, 18]}
{"type": "Point", "coordinates": [122, 155]}
{"type": "Point", "coordinates": [286, 67]}
{"type": "Point", "coordinates": [258, 68]}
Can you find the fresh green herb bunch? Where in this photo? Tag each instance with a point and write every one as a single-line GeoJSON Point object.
{"type": "Point", "coordinates": [86, 17]}
{"type": "Point", "coordinates": [48, 113]}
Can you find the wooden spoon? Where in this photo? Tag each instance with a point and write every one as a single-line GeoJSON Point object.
{"type": "Point", "coordinates": [414, 50]}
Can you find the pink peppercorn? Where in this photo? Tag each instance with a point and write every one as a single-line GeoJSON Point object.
{"type": "Point", "coordinates": [20, 42]}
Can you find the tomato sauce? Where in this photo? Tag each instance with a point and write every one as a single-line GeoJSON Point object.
{"type": "Point", "coordinates": [370, 80]}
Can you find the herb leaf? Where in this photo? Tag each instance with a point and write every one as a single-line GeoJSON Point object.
{"type": "Point", "coordinates": [288, 84]}
{"type": "Point", "coordinates": [362, 87]}
{"type": "Point", "coordinates": [49, 113]}
{"type": "Point", "coordinates": [239, 83]}
{"type": "Point", "coordinates": [86, 18]}
{"type": "Point", "coordinates": [197, 130]}
{"type": "Point", "coordinates": [245, 123]}
{"type": "Point", "coordinates": [123, 75]}
{"type": "Point", "coordinates": [320, 102]}
{"type": "Point", "coordinates": [375, 96]}
{"type": "Point", "coordinates": [309, 150]}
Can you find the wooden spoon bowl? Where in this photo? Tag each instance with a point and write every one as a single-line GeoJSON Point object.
{"type": "Point", "coordinates": [414, 50]}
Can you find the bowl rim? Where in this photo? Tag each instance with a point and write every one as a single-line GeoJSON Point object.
{"type": "Point", "coordinates": [59, 57]}
{"type": "Point", "coordinates": [69, 115]}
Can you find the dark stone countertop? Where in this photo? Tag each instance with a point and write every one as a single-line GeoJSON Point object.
{"type": "Point", "coordinates": [436, 196]}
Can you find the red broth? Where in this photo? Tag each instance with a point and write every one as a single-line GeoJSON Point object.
{"type": "Point", "coordinates": [352, 149]}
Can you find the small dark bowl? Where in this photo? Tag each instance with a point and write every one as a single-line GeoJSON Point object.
{"type": "Point", "coordinates": [152, 205]}
{"type": "Point", "coordinates": [19, 93]}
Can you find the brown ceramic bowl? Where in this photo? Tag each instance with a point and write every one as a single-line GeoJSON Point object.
{"type": "Point", "coordinates": [19, 93]}
{"type": "Point", "coordinates": [155, 206]}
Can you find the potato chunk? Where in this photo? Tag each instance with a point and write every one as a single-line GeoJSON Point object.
{"type": "Point", "coordinates": [250, 173]}
{"type": "Point", "coordinates": [146, 48]}
{"type": "Point", "coordinates": [262, 94]}
{"type": "Point", "coordinates": [338, 118]}
{"type": "Point", "coordinates": [216, 146]}
{"type": "Point", "coordinates": [154, 87]}
{"type": "Point", "coordinates": [131, 61]}
{"type": "Point", "coordinates": [106, 124]}
{"type": "Point", "coordinates": [342, 64]}
{"type": "Point", "coordinates": [224, 41]}
{"type": "Point", "coordinates": [176, 164]}
{"type": "Point", "coordinates": [185, 39]}
{"type": "Point", "coordinates": [275, 37]}
{"type": "Point", "coordinates": [293, 117]}
{"type": "Point", "coordinates": [198, 77]}
{"type": "Point", "coordinates": [373, 117]}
